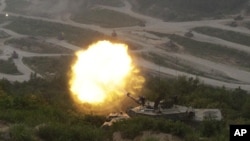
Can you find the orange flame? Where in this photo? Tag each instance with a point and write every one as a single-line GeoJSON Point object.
{"type": "Point", "coordinates": [101, 73]}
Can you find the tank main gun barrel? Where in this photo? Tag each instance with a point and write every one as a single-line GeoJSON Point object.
{"type": "Point", "coordinates": [134, 99]}
{"type": "Point", "coordinates": [140, 101]}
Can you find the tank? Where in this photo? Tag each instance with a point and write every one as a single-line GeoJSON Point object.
{"type": "Point", "coordinates": [158, 109]}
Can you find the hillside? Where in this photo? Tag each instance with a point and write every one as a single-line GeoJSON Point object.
{"type": "Point", "coordinates": [54, 7]}
{"type": "Point", "coordinates": [184, 10]}
{"type": "Point", "coordinates": [42, 110]}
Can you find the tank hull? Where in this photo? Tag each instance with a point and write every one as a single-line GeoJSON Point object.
{"type": "Point", "coordinates": [175, 113]}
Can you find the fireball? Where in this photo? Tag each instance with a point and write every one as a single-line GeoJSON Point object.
{"type": "Point", "coordinates": [101, 73]}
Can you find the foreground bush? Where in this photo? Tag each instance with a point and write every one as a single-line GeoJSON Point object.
{"type": "Point", "coordinates": [60, 132]}
{"type": "Point", "coordinates": [20, 132]}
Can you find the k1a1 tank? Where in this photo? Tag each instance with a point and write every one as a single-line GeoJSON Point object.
{"type": "Point", "coordinates": [158, 109]}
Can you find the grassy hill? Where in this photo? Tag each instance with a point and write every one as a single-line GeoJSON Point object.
{"type": "Point", "coordinates": [182, 10]}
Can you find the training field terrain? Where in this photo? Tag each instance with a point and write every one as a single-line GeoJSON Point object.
{"type": "Point", "coordinates": [196, 50]}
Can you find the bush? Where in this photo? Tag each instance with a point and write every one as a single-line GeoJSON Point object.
{"type": "Point", "coordinates": [20, 132]}
{"type": "Point", "coordinates": [133, 127]}
{"type": "Point", "coordinates": [61, 132]}
{"type": "Point", "coordinates": [211, 128]}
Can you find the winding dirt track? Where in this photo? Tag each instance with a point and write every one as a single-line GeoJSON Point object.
{"type": "Point", "coordinates": [152, 24]}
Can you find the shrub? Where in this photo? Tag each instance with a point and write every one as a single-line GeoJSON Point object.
{"type": "Point", "coordinates": [133, 127]}
{"type": "Point", "coordinates": [60, 132]}
{"type": "Point", "coordinates": [20, 132]}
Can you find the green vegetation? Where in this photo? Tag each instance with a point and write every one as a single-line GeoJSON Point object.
{"type": "Point", "coordinates": [105, 18]}
{"type": "Point", "coordinates": [60, 132]}
{"type": "Point", "coordinates": [247, 24]}
{"type": "Point", "coordinates": [77, 36]}
{"type": "Point", "coordinates": [49, 66]}
{"type": "Point", "coordinates": [210, 51]}
{"type": "Point", "coordinates": [133, 127]}
{"type": "Point", "coordinates": [8, 67]}
{"type": "Point", "coordinates": [231, 36]}
{"type": "Point", "coordinates": [184, 10]}
{"type": "Point", "coordinates": [16, 6]}
{"type": "Point", "coordinates": [36, 46]}
{"type": "Point", "coordinates": [43, 109]}
{"type": "Point", "coordinates": [20, 132]}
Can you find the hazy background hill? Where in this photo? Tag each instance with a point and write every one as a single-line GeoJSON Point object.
{"type": "Point", "coordinates": [179, 10]}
